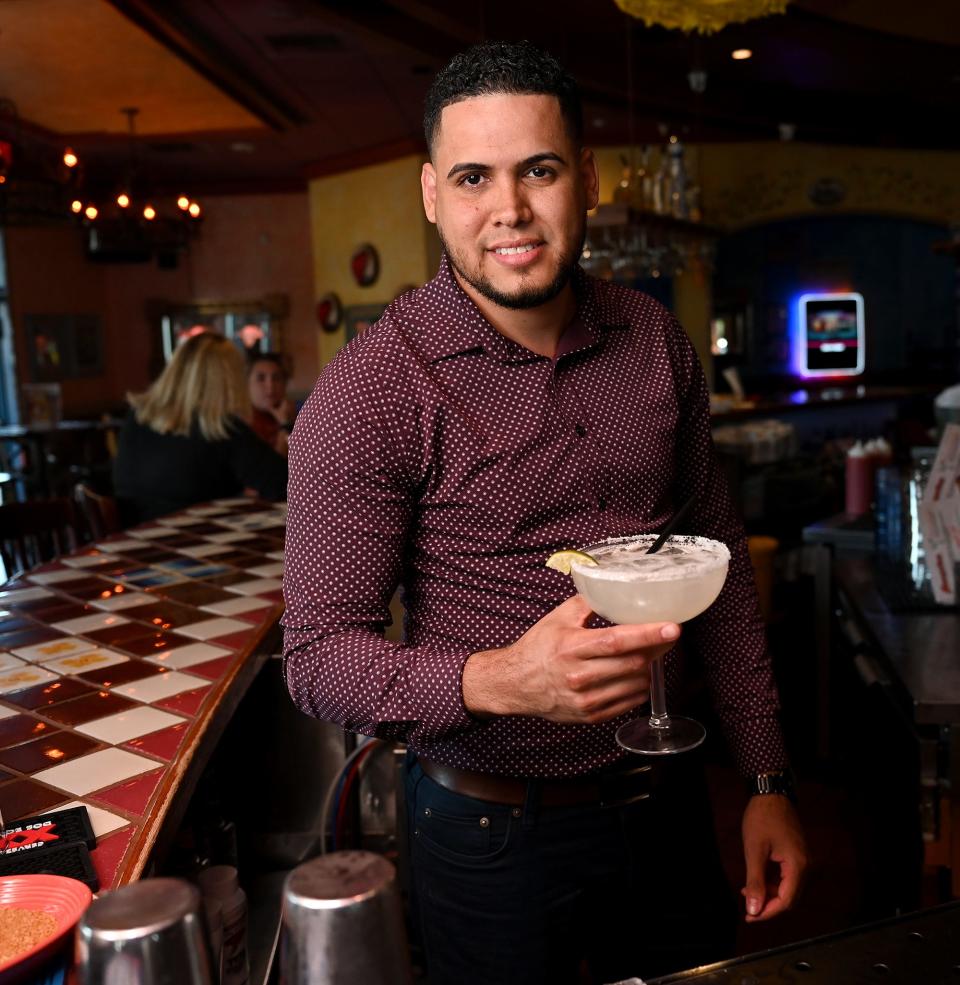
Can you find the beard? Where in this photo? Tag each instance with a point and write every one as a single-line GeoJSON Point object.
{"type": "Point", "coordinates": [523, 297]}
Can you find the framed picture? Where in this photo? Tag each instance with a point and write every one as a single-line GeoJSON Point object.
{"type": "Point", "coordinates": [360, 317]}
{"type": "Point", "coordinates": [64, 347]}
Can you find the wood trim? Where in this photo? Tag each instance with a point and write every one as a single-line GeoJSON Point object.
{"type": "Point", "coordinates": [213, 61]}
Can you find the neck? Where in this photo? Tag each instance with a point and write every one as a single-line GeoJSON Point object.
{"type": "Point", "coordinates": [537, 329]}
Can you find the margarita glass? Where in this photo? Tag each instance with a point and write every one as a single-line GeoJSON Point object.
{"type": "Point", "coordinates": [628, 585]}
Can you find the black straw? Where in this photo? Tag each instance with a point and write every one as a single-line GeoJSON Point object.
{"type": "Point", "coordinates": [672, 525]}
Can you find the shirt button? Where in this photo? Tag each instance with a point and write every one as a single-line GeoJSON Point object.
{"type": "Point", "coordinates": [581, 431]}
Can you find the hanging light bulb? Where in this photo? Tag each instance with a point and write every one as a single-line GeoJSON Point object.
{"type": "Point", "coordinates": [91, 212]}
{"type": "Point", "coordinates": [70, 159]}
{"type": "Point", "coordinates": [195, 210]}
{"type": "Point", "coordinates": [76, 206]}
{"type": "Point", "coordinates": [123, 200]}
{"type": "Point", "coordinates": [183, 203]}
{"type": "Point", "coordinates": [149, 213]}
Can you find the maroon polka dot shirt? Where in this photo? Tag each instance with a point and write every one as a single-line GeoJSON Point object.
{"type": "Point", "coordinates": [438, 455]}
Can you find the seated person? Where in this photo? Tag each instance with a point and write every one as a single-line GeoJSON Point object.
{"type": "Point", "coordinates": [186, 439]}
{"type": "Point", "coordinates": [273, 413]}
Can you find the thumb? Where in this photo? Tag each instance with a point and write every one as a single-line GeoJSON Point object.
{"type": "Point", "coordinates": [755, 890]}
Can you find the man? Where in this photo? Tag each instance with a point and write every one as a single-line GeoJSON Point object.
{"type": "Point", "coordinates": [510, 408]}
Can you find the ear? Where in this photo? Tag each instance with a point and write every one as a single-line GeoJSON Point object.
{"type": "Point", "coordinates": [428, 185]}
{"type": "Point", "coordinates": [589, 177]}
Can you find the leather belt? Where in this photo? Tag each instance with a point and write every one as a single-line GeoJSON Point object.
{"type": "Point", "coordinates": [605, 788]}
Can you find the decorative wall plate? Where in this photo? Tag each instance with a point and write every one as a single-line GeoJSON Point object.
{"type": "Point", "coordinates": [365, 264]}
{"type": "Point", "coordinates": [329, 312]}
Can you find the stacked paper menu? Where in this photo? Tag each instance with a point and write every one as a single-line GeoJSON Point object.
{"type": "Point", "coordinates": [940, 517]}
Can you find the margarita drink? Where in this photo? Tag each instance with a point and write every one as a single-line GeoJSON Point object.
{"type": "Point", "coordinates": [627, 585]}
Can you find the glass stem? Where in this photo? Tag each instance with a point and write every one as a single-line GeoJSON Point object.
{"type": "Point", "coordinates": [658, 696]}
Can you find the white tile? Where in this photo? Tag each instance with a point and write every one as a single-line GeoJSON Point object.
{"type": "Point", "coordinates": [130, 724]}
{"type": "Point", "coordinates": [232, 501]}
{"type": "Point", "coordinates": [210, 628]}
{"type": "Point", "coordinates": [207, 510]}
{"type": "Point", "coordinates": [12, 595]}
{"type": "Point", "coordinates": [102, 822]}
{"type": "Point", "coordinates": [118, 545]}
{"type": "Point", "coordinates": [125, 600]}
{"type": "Point", "coordinates": [205, 550]}
{"type": "Point", "coordinates": [276, 555]}
{"type": "Point", "coordinates": [86, 560]}
{"type": "Point", "coordinates": [160, 686]}
{"type": "Point", "coordinates": [186, 656]}
{"type": "Point", "coordinates": [52, 577]}
{"type": "Point", "coordinates": [150, 533]}
{"type": "Point", "coordinates": [25, 676]}
{"type": "Point", "coordinates": [8, 661]}
{"type": "Point", "coordinates": [267, 570]}
{"type": "Point", "coordinates": [177, 520]}
{"type": "Point", "coordinates": [255, 587]}
{"type": "Point", "coordinates": [230, 536]}
{"type": "Point", "coordinates": [6, 712]}
{"type": "Point", "coordinates": [96, 770]}
{"type": "Point", "coordinates": [84, 624]}
{"type": "Point", "coordinates": [79, 663]}
{"type": "Point", "coordinates": [63, 647]}
{"type": "Point", "coordinates": [233, 607]}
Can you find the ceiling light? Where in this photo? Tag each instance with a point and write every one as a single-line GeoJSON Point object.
{"type": "Point", "coordinates": [149, 213]}
{"type": "Point", "coordinates": [70, 159]}
{"type": "Point", "coordinates": [123, 200]}
{"type": "Point", "coordinates": [91, 212]}
{"type": "Point", "coordinates": [76, 206]}
{"type": "Point", "coordinates": [183, 203]}
{"type": "Point", "coordinates": [194, 210]}
{"type": "Point", "coordinates": [741, 54]}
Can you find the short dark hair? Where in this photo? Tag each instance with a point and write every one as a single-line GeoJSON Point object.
{"type": "Point", "coordinates": [497, 67]}
{"type": "Point", "coordinates": [277, 358]}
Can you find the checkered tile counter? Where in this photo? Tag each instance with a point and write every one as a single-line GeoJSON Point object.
{"type": "Point", "coordinates": [113, 659]}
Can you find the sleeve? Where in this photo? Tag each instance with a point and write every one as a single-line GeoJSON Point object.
{"type": "Point", "coordinates": [730, 636]}
{"type": "Point", "coordinates": [352, 505]}
{"type": "Point", "coordinates": [255, 464]}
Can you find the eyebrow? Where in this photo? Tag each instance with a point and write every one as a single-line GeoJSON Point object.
{"type": "Point", "coordinates": [528, 162]}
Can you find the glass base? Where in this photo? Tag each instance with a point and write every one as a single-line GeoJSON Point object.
{"type": "Point", "coordinates": [681, 735]}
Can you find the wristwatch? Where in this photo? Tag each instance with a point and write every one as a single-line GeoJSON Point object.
{"type": "Point", "coordinates": [776, 781]}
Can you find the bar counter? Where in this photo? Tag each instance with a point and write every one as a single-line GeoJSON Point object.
{"type": "Point", "coordinates": [121, 664]}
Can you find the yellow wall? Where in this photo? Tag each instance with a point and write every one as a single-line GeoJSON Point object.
{"type": "Point", "coordinates": [381, 205]}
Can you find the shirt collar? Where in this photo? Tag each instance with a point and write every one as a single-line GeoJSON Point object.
{"type": "Point", "coordinates": [462, 329]}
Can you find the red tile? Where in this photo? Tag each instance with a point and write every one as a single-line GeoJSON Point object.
{"type": "Point", "coordinates": [164, 743]}
{"type": "Point", "coordinates": [49, 750]}
{"type": "Point", "coordinates": [275, 596]}
{"type": "Point", "coordinates": [108, 855]}
{"type": "Point", "coordinates": [186, 703]}
{"type": "Point", "coordinates": [21, 798]}
{"type": "Point", "coordinates": [213, 670]}
{"type": "Point", "coordinates": [132, 795]}
{"type": "Point", "coordinates": [22, 728]}
{"type": "Point", "coordinates": [256, 616]}
{"type": "Point", "coordinates": [43, 695]}
{"type": "Point", "coordinates": [235, 641]}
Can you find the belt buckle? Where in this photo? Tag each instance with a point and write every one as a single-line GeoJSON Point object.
{"type": "Point", "coordinates": [624, 787]}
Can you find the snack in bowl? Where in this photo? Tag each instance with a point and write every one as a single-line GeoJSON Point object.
{"type": "Point", "coordinates": [37, 916]}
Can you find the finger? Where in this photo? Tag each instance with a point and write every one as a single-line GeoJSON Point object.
{"type": "Point", "coordinates": [575, 610]}
{"type": "Point", "coordinates": [652, 640]}
{"type": "Point", "coordinates": [754, 891]}
{"type": "Point", "coordinates": [789, 883]}
{"type": "Point", "coordinates": [773, 908]}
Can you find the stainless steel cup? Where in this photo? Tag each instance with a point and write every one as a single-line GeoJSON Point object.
{"type": "Point", "coordinates": [148, 933]}
{"type": "Point", "coordinates": [343, 923]}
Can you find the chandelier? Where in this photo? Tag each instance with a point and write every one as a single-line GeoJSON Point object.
{"type": "Point", "coordinates": [704, 16]}
{"type": "Point", "coordinates": [132, 222]}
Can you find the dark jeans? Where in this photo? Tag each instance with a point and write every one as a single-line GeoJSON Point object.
{"type": "Point", "coordinates": [518, 896]}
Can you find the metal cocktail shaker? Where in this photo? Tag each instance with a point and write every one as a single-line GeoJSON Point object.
{"type": "Point", "coordinates": [343, 923]}
{"type": "Point", "coordinates": [148, 933]}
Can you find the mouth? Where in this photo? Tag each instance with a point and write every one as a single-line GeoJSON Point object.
{"type": "Point", "coordinates": [518, 253]}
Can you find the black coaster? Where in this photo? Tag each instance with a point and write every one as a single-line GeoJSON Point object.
{"type": "Point", "coordinates": [45, 831]}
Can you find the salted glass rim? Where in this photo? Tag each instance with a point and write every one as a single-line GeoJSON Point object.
{"type": "Point", "coordinates": [721, 559]}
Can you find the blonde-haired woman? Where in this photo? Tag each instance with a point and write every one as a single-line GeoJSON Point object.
{"type": "Point", "coordinates": [186, 439]}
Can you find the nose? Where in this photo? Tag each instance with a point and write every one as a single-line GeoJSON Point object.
{"type": "Point", "coordinates": [512, 206]}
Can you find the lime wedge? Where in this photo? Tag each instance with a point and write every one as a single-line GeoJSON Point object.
{"type": "Point", "coordinates": [562, 560]}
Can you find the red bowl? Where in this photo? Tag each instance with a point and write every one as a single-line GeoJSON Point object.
{"type": "Point", "coordinates": [64, 899]}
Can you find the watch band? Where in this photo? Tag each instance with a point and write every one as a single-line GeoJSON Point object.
{"type": "Point", "coordinates": [775, 781]}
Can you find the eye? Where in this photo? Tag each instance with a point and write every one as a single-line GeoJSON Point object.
{"type": "Point", "coordinates": [471, 180]}
{"type": "Point", "coordinates": [539, 171]}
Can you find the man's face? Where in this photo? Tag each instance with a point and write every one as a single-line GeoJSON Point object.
{"type": "Point", "coordinates": [509, 190]}
{"type": "Point", "coordinates": [267, 385]}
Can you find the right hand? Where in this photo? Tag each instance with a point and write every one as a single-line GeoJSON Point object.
{"type": "Point", "coordinates": [564, 672]}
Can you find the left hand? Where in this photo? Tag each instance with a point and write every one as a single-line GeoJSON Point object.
{"type": "Point", "coordinates": [772, 838]}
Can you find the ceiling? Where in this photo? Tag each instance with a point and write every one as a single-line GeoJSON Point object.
{"type": "Point", "coordinates": [241, 95]}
